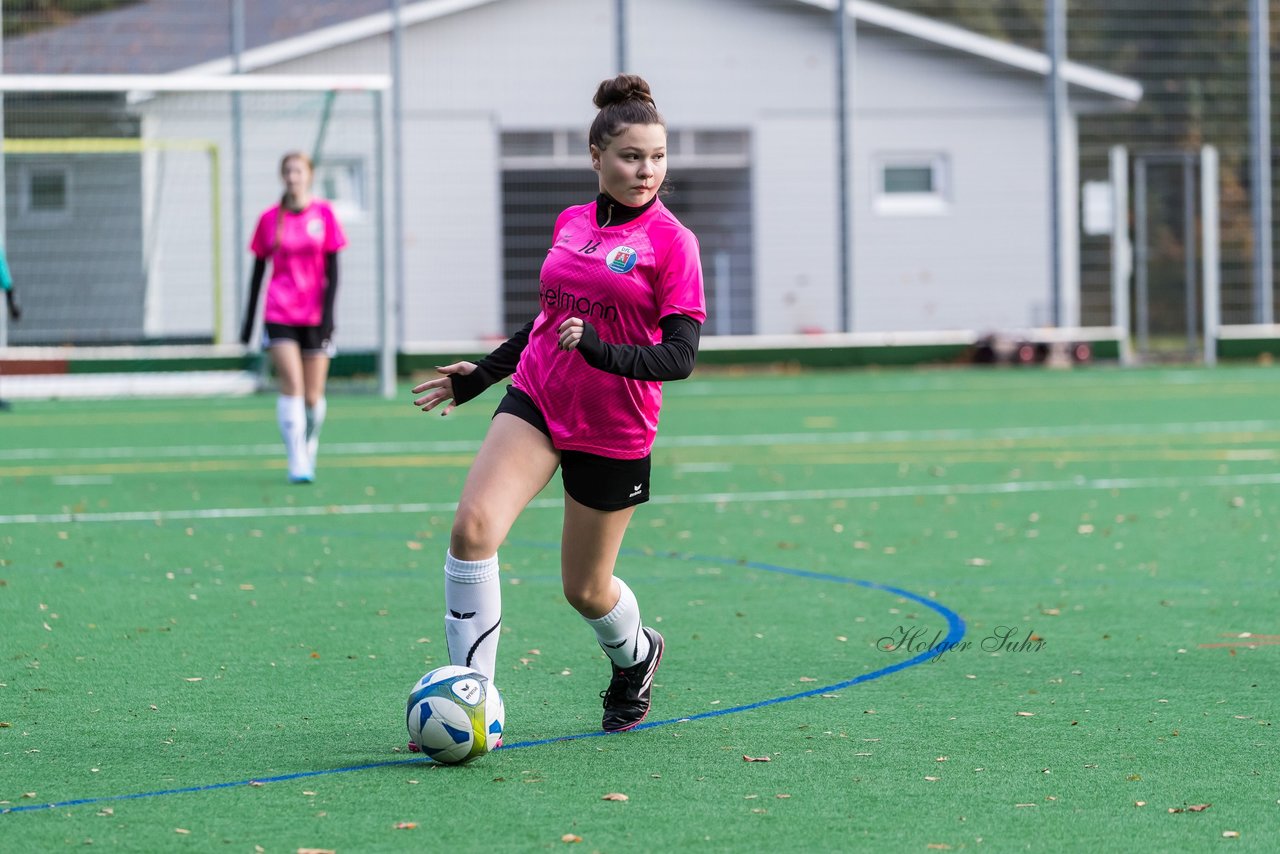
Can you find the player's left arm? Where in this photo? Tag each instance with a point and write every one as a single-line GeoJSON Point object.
{"type": "Point", "coordinates": [330, 293]}
{"type": "Point", "coordinates": [673, 359]}
{"type": "Point", "coordinates": [678, 287]}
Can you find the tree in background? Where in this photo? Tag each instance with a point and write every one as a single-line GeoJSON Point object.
{"type": "Point", "coordinates": [26, 16]}
{"type": "Point", "coordinates": [1191, 57]}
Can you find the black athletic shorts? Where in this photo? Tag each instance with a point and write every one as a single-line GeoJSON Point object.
{"type": "Point", "coordinates": [601, 483]}
{"type": "Point", "coordinates": [307, 338]}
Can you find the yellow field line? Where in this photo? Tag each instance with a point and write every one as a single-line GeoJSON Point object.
{"type": "Point", "coordinates": [196, 466]}
{"type": "Point", "coordinates": [418, 461]}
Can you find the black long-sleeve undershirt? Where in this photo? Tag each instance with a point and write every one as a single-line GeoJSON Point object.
{"type": "Point", "coordinates": [330, 293]}
{"type": "Point", "coordinates": [673, 359]}
{"type": "Point", "coordinates": [255, 287]}
{"type": "Point", "coordinates": [495, 367]}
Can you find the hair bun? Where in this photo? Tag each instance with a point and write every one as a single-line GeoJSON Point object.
{"type": "Point", "coordinates": [623, 88]}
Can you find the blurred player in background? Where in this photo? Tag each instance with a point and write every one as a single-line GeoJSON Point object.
{"type": "Point", "coordinates": [622, 311]}
{"type": "Point", "coordinates": [10, 299]}
{"type": "Point", "coordinates": [301, 237]}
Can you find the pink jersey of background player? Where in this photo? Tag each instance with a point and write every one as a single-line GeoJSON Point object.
{"type": "Point", "coordinates": [295, 295]}
{"type": "Point", "coordinates": [623, 280]}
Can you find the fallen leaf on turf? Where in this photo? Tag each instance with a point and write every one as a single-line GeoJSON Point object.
{"type": "Point", "coordinates": [807, 679]}
{"type": "Point", "coordinates": [414, 546]}
{"type": "Point", "coordinates": [193, 679]}
{"type": "Point", "coordinates": [978, 561]}
{"type": "Point", "coordinates": [406, 825]}
{"type": "Point", "coordinates": [939, 846]}
{"type": "Point", "coordinates": [28, 794]}
{"type": "Point", "coordinates": [782, 796]}
{"type": "Point", "coordinates": [933, 779]}
{"type": "Point", "coordinates": [1198, 807]}
{"type": "Point", "coordinates": [1231, 834]}
{"type": "Point", "coordinates": [181, 830]}
{"type": "Point", "coordinates": [316, 851]}
{"type": "Point", "coordinates": [255, 783]}
{"type": "Point", "coordinates": [1025, 714]}
{"type": "Point", "coordinates": [570, 837]}
{"type": "Point", "coordinates": [106, 812]}
{"type": "Point", "coordinates": [615, 796]}
{"type": "Point", "coordinates": [1139, 803]}
{"type": "Point", "coordinates": [1025, 805]}
{"type": "Point", "coordinates": [756, 759]}
{"type": "Point", "coordinates": [5, 724]}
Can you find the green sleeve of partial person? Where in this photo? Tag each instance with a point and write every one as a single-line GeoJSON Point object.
{"type": "Point", "coordinates": [6, 278]}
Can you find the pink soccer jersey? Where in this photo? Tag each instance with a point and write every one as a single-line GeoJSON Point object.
{"type": "Point", "coordinates": [623, 280]}
{"type": "Point", "coordinates": [295, 295]}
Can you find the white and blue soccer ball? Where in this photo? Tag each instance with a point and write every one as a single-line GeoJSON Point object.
{"type": "Point", "coordinates": [455, 714]}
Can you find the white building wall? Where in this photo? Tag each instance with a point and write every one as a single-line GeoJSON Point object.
{"type": "Point", "coordinates": [797, 228]}
{"type": "Point", "coordinates": [763, 65]}
{"type": "Point", "coordinates": [983, 262]}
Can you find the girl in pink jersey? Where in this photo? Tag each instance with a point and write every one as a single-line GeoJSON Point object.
{"type": "Point", "coordinates": [621, 311]}
{"type": "Point", "coordinates": [301, 236]}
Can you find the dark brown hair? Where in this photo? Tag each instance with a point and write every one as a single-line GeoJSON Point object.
{"type": "Point", "coordinates": [623, 100]}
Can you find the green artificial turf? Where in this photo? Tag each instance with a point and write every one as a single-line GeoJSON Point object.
{"type": "Point", "coordinates": [195, 655]}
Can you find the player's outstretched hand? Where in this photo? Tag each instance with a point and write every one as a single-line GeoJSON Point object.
{"type": "Point", "coordinates": [15, 310]}
{"type": "Point", "coordinates": [437, 391]}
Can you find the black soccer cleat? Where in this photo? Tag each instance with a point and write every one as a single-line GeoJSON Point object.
{"type": "Point", "coordinates": [626, 701]}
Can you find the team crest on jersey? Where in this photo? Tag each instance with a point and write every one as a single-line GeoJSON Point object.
{"type": "Point", "coordinates": [622, 259]}
{"type": "Point", "coordinates": [315, 227]}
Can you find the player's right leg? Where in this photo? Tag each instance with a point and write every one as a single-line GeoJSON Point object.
{"type": "Point", "coordinates": [514, 463]}
{"type": "Point", "coordinates": [291, 411]}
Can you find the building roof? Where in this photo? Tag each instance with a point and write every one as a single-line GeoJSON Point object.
{"type": "Point", "coordinates": [162, 36]}
{"type": "Point", "coordinates": [165, 36]}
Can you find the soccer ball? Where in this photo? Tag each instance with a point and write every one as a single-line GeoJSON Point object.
{"type": "Point", "coordinates": [455, 714]}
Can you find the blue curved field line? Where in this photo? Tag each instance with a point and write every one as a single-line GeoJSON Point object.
{"type": "Point", "coordinates": [955, 632]}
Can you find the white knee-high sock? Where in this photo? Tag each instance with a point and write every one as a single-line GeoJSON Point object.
{"type": "Point", "coordinates": [473, 599]}
{"type": "Point", "coordinates": [291, 414]}
{"type": "Point", "coordinates": [619, 631]}
{"type": "Point", "coordinates": [315, 420]}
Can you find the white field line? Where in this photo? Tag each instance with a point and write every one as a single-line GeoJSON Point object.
{"type": "Point", "coordinates": [751, 440]}
{"type": "Point", "coordinates": [1082, 484]}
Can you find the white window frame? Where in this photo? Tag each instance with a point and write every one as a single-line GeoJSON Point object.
{"type": "Point", "coordinates": [28, 173]}
{"type": "Point", "coordinates": [347, 210]}
{"type": "Point", "coordinates": [934, 203]}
